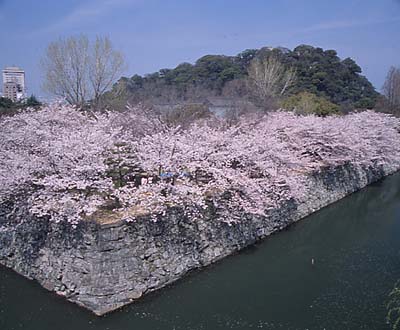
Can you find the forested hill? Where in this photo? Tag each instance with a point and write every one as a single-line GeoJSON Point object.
{"type": "Point", "coordinates": [320, 72]}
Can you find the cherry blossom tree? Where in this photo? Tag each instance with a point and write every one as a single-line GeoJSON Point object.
{"type": "Point", "coordinates": [70, 166]}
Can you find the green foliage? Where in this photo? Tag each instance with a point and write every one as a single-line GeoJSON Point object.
{"type": "Point", "coordinates": [320, 72]}
{"type": "Point", "coordinates": [244, 58]}
{"type": "Point", "coordinates": [5, 102]}
{"type": "Point", "coordinates": [366, 103]}
{"type": "Point", "coordinates": [308, 103]}
{"type": "Point", "coordinates": [9, 108]}
{"type": "Point", "coordinates": [32, 101]}
{"type": "Point", "coordinates": [324, 74]}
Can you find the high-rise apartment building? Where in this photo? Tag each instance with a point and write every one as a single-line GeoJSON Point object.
{"type": "Point", "coordinates": [14, 83]}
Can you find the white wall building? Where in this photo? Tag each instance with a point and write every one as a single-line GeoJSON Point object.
{"type": "Point", "coordinates": [14, 83]}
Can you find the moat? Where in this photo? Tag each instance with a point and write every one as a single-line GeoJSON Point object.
{"type": "Point", "coordinates": [355, 246]}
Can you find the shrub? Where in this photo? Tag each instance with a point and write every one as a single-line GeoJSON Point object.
{"type": "Point", "coordinates": [308, 103]}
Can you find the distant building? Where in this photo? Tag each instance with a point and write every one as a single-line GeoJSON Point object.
{"type": "Point", "coordinates": [14, 83]}
{"type": "Point", "coordinates": [218, 105]}
{"type": "Point", "coordinates": [227, 106]}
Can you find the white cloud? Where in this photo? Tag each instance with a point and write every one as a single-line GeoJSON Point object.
{"type": "Point", "coordinates": [334, 25]}
{"type": "Point", "coordinates": [91, 10]}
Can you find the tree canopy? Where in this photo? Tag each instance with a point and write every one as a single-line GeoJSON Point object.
{"type": "Point", "coordinates": [9, 108]}
{"type": "Point", "coordinates": [308, 103]}
{"type": "Point", "coordinates": [320, 72]}
{"type": "Point", "coordinates": [68, 165]}
{"type": "Point", "coordinates": [80, 70]}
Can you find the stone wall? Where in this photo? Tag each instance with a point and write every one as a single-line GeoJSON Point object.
{"type": "Point", "coordinates": [103, 267]}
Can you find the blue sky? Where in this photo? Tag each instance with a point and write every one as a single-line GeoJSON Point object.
{"type": "Point", "coordinates": [155, 34]}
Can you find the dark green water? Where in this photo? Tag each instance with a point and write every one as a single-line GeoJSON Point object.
{"type": "Point", "coordinates": [356, 247]}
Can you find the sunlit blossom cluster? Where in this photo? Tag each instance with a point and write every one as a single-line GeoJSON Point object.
{"type": "Point", "coordinates": [69, 165]}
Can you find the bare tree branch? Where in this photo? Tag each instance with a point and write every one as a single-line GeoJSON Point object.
{"type": "Point", "coordinates": [391, 88]}
{"type": "Point", "coordinates": [105, 66]}
{"type": "Point", "coordinates": [80, 71]}
{"type": "Point", "coordinates": [270, 77]}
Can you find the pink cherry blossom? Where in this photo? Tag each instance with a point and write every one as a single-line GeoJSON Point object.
{"type": "Point", "coordinates": [65, 162]}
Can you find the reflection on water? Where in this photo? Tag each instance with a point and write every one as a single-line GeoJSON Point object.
{"type": "Point", "coordinates": [393, 307]}
{"type": "Point", "coordinates": [354, 243]}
